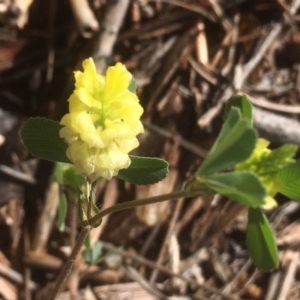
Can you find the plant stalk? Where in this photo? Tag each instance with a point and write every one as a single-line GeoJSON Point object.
{"type": "Point", "coordinates": [118, 207]}
{"type": "Point", "coordinates": [140, 202]}
{"type": "Point", "coordinates": [67, 268]}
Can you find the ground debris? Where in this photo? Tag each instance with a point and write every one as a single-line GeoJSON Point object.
{"type": "Point", "coordinates": [188, 58]}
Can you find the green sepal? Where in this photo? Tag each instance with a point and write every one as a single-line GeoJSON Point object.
{"type": "Point", "coordinates": [84, 206]}
{"type": "Point", "coordinates": [261, 242]}
{"type": "Point", "coordinates": [132, 86]}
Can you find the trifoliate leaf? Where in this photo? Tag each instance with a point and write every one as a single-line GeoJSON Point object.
{"type": "Point", "coordinates": [260, 240]}
{"type": "Point", "coordinates": [243, 104]}
{"type": "Point", "coordinates": [232, 118]}
{"type": "Point", "coordinates": [241, 186]}
{"type": "Point", "coordinates": [235, 143]}
{"type": "Point", "coordinates": [144, 170]}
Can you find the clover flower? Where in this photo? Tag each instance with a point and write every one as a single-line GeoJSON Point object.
{"type": "Point", "coordinates": [266, 164]}
{"type": "Point", "coordinates": [103, 121]}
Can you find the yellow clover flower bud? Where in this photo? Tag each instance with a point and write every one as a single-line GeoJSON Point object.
{"type": "Point", "coordinates": [256, 164]}
{"type": "Point", "coordinates": [103, 121]}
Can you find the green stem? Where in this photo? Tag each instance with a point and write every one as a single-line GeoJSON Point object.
{"type": "Point", "coordinates": [88, 194]}
{"type": "Point", "coordinates": [70, 262]}
{"type": "Point", "coordinates": [140, 202]}
{"type": "Point", "coordinates": [87, 227]}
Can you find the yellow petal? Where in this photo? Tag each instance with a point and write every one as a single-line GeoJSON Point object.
{"type": "Point", "coordinates": [270, 203]}
{"type": "Point", "coordinates": [103, 122]}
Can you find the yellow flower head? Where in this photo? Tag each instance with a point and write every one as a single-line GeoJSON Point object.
{"type": "Point", "coordinates": [103, 121]}
{"type": "Point", "coordinates": [266, 164]}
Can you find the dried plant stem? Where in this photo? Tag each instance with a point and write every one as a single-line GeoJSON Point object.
{"type": "Point", "coordinates": [70, 262]}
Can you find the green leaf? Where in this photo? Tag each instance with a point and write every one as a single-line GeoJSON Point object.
{"type": "Point", "coordinates": [243, 104]}
{"type": "Point", "coordinates": [62, 211]}
{"type": "Point", "coordinates": [283, 155]}
{"type": "Point", "coordinates": [261, 241]}
{"type": "Point", "coordinates": [235, 143]}
{"type": "Point", "coordinates": [233, 117]}
{"type": "Point", "coordinates": [241, 186]}
{"type": "Point", "coordinates": [41, 138]}
{"type": "Point", "coordinates": [289, 177]}
{"type": "Point", "coordinates": [91, 254]}
{"type": "Point", "coordinates": [273, 162]}
{"type": "Point", "coordinates": [144, 170]}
